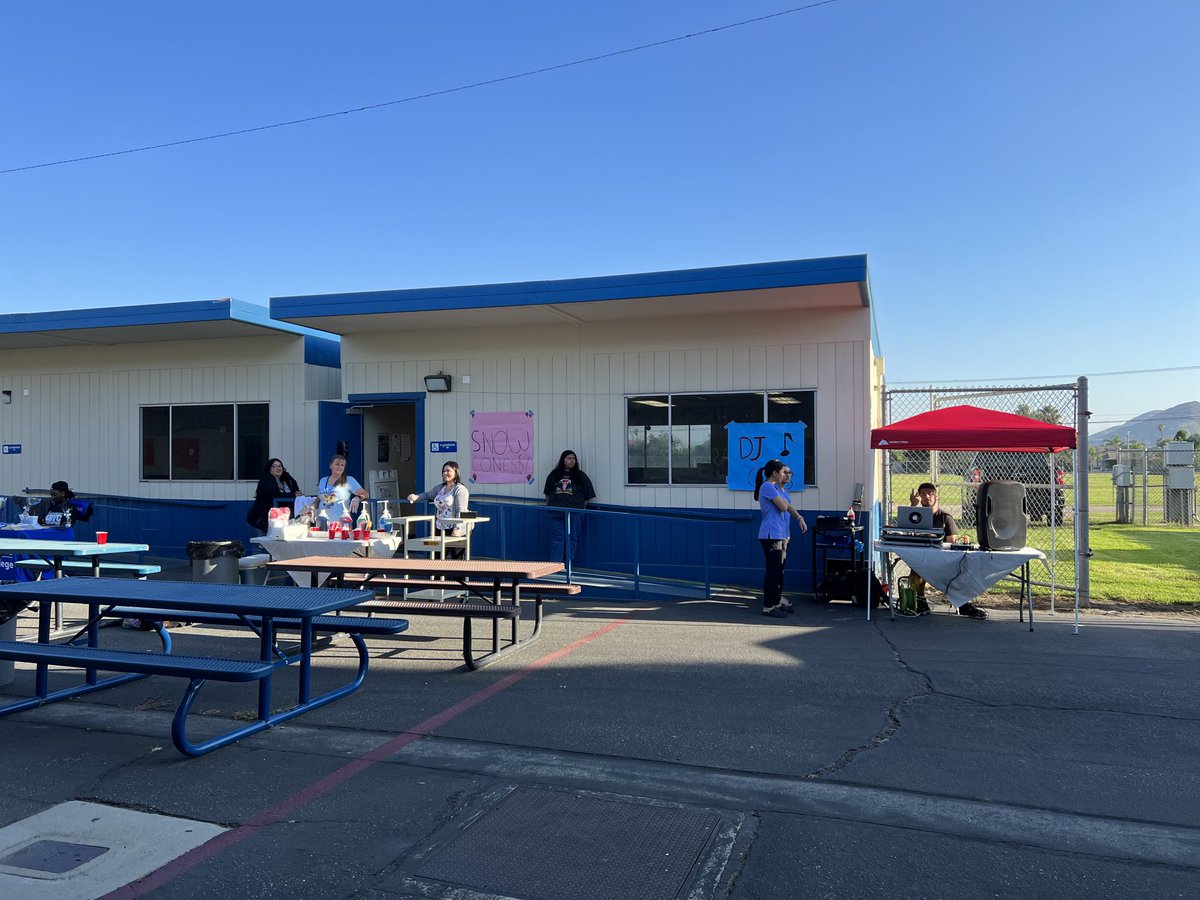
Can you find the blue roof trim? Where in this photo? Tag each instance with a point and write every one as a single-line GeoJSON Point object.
{"type": "Point", "coordinates": [320, 351]}
{"type": "Point", "coordinates": [756, 276]}
{"type": "Point", "coordinates": [183, 313]}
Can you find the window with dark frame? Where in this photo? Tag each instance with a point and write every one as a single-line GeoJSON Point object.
{"type": "Point", "coordinates": [207, 442]}
{"type": "Point", "coordinates": [681, 438]}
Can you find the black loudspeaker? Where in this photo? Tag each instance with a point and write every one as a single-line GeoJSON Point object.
{"type": "Point", "coordinates": [1001, 515]}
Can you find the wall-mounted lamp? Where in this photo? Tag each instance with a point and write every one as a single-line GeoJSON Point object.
{"type": "Point", "coordinates": [8, 396]}
{"type": "Point", "coordinates": [439, 383]}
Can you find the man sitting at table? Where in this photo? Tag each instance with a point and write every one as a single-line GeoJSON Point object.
{"type": "Point", "coordinates": [62, 508]}
{"type": "Point", "coordinates": [926, 495]}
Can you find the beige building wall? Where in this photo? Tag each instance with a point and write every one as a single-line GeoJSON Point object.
{"type": "Point", "coordinates": [76, 412]}
{"type": "Point", "coordinates": [575, 377]}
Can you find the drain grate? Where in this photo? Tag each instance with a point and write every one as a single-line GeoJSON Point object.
{"type": "Point", "coordinates": [544, 845]}
{"type": "Point", "coordinates": [51, 857]}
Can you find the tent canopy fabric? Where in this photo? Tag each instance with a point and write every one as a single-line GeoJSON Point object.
{"type": "Point", "coordinates": [972, 428]}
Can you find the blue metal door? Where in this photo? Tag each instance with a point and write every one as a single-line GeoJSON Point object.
{"type": "Point", "coordinates": [339, 431]}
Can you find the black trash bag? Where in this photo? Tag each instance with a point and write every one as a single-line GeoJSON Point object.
{"type": "Point", "coordinates": [214, 549]}
{"type": "Point", "coordinates": [9, 607]}
{"type": "Point", "coordinates": [852, 585]}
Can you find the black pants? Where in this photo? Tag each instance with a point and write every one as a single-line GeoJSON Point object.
{"type": "Point", "coordinates": [774, 557]}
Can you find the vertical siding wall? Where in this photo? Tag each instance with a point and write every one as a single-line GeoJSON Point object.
{"type": "Point", "coordinates": [576, 377]}
{"type": "Point", "coordinates": [76, 413]}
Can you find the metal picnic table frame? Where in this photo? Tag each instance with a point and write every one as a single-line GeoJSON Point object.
{"type": "Point", "coordinates": [260, 608]}
{"type": "Point", "coordinates": [471, 576]}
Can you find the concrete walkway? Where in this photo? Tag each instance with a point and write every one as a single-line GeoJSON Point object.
{"type": "Point", "coordinates": [657, 749]}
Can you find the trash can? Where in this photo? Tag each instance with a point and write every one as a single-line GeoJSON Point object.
{"type": "Point", "coordinates": [252, 569]}
{"type": "Point", "coordinates": [215, 561]}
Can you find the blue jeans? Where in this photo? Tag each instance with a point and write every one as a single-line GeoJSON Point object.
{"type": "Point", "coordinates": [558, 534]}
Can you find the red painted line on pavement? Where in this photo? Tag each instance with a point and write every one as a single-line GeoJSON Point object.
{"type": "Point", "coordinates": [319, 788]}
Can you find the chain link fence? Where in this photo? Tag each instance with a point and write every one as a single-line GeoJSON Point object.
{"type": "Point", "coordinates": [1049, 478]}
{"type": "Point", "coordinates": [1145, 486]}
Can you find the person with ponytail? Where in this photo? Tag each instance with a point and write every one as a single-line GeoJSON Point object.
{"type": "Point", "coordinates": [775, 532]}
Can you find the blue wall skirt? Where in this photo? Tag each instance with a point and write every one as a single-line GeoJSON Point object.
{"type": "Point", "coordinates": [651, 543]}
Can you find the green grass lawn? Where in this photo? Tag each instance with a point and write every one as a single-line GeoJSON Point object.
{"type": "Point", "coordinates": [1132, 564]}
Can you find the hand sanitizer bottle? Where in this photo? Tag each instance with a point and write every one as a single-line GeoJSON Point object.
{"type": "Point", "coordinates": [385, 519]}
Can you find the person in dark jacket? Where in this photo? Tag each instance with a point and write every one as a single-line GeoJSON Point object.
{"type": "Point", "coordinates": [567, 487]}
{"type": "Point", "coordinates": [276, 484]}
{"type": "Point", "coordinates": [62, 501]}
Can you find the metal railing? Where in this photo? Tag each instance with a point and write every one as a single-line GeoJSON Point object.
{"type": "Point", "coordinates": [631, 526]}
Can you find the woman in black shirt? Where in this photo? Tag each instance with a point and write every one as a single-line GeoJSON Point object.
{"type": "Point", "coordinates": [276, 484]}
{"type": "Point", "coordinates": [569, 488]}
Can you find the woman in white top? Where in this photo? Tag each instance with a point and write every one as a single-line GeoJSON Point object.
{"type": "Point", "coordinates": [449, 502]}
{"type": "Point", "coordinates": [338, 494]}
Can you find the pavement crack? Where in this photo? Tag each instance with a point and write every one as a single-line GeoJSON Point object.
{"type": "Point", "coordinates": [743, 854]}
{"type": "Point", "coordinates": [892, 713]}
{"type": "Point", "coordinates": [990, 704]}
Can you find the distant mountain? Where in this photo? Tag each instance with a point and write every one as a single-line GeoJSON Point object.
{"type": "Point", "coordinates": [1144, 428]}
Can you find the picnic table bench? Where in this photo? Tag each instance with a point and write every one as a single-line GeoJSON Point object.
{"type": "Point", "coordinates": [497, 584]}
{"type": "Point", "coordinates": [263, 609]}
{"type": "Point", "coordinates": [73, 566]}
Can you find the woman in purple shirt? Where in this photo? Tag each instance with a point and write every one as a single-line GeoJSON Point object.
{"type": "Point", "coordinates": [775, 532]}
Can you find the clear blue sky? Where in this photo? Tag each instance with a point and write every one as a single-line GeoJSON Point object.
{"type": "Point", "coordinates": [1023, 174]}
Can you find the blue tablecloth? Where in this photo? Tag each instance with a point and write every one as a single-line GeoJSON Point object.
{"type": "Point", "coordinates": [9, 570]}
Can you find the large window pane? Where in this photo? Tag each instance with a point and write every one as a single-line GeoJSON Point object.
{"type": "Point", "coordinates": [691, 428]}
{"type": "Point", "coordinates": [699, 440]}
{"type": "Point", "coordinates": [797, 406]}
{"type": "Point", "coordinates": [648, 439]}
{"type": "Point", "coordinates": [156, 433]}
{"type": "Point", "coordinates": [202, 442]}
{"type": "Point", "coordinates": [251, 439]}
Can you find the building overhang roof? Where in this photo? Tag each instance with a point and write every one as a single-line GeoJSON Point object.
{"type": "Point", "coordinates": [110, 326]}
{"type": "Point", "coordinates": [833, 282]}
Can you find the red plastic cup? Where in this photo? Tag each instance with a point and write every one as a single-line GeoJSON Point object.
{"type": "Point", "coordinates": [101, 537]}
{"type": "Point", "coordinates": [345, 535]}
{"type": "Point", "coordinates": [333, 530]}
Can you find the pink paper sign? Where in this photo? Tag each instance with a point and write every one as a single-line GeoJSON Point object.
{"type": "Point", "coordinates": [502, 447]}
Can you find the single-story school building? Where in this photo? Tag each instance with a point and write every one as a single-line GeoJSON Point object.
{"type": "Point", "coordinates": [163, 414]}
{"type": "Point", "coordinates": [640, 375]}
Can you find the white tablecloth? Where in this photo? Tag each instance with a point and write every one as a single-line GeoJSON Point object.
{"type": "Point", "coordinates": [378, 545]}
{"type": "Point", "coordinates": [962, 575]}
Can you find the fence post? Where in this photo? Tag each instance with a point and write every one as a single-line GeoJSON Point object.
{"type": "Point", "coordinates": [1145, 487]}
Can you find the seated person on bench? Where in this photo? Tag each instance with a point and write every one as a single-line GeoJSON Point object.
{"type": "Point", "coordinates": [61, 509]}
{"type": "Point", "coordinates": [926, 495]}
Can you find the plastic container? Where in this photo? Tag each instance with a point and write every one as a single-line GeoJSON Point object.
{"type": "Point", "coordinates": [253, 569]}
{"type": "Point", "coordinates": [215, 561]}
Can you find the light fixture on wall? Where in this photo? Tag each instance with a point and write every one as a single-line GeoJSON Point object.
{"type": "Point", "coordinates": [439, 383]}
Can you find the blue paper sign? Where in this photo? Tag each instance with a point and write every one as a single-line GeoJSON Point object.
{"type": "Point", "coordinates": [443, 446]}
{"type": "Point", "coordinates": [751, 444]}
{"type": "Point", "coordinates": [12, 448]}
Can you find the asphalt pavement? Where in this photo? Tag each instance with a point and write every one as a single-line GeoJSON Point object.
{"type": "Point", "coordinates": [690, 749]}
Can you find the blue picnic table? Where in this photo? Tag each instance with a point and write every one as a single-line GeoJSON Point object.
{"type": "Point", "coordinates": [263, 609]}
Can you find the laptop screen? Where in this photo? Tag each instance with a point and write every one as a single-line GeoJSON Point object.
{"type": "Point", "coordinates": [917, 517]}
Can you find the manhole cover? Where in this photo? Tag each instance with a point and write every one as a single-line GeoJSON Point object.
{"type": "Point", "coordinates": [546, 845]}
{"type": "Point", "coordinates": [51, 857]}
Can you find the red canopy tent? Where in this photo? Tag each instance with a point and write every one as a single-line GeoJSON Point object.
{"type": "Point", "coordinates": [972, 428]}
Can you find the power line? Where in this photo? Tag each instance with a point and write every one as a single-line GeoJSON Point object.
{"type": "Point", "coordinates": [452, 90]}
{"type": "Point", "coordinates": [1047, 377]}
